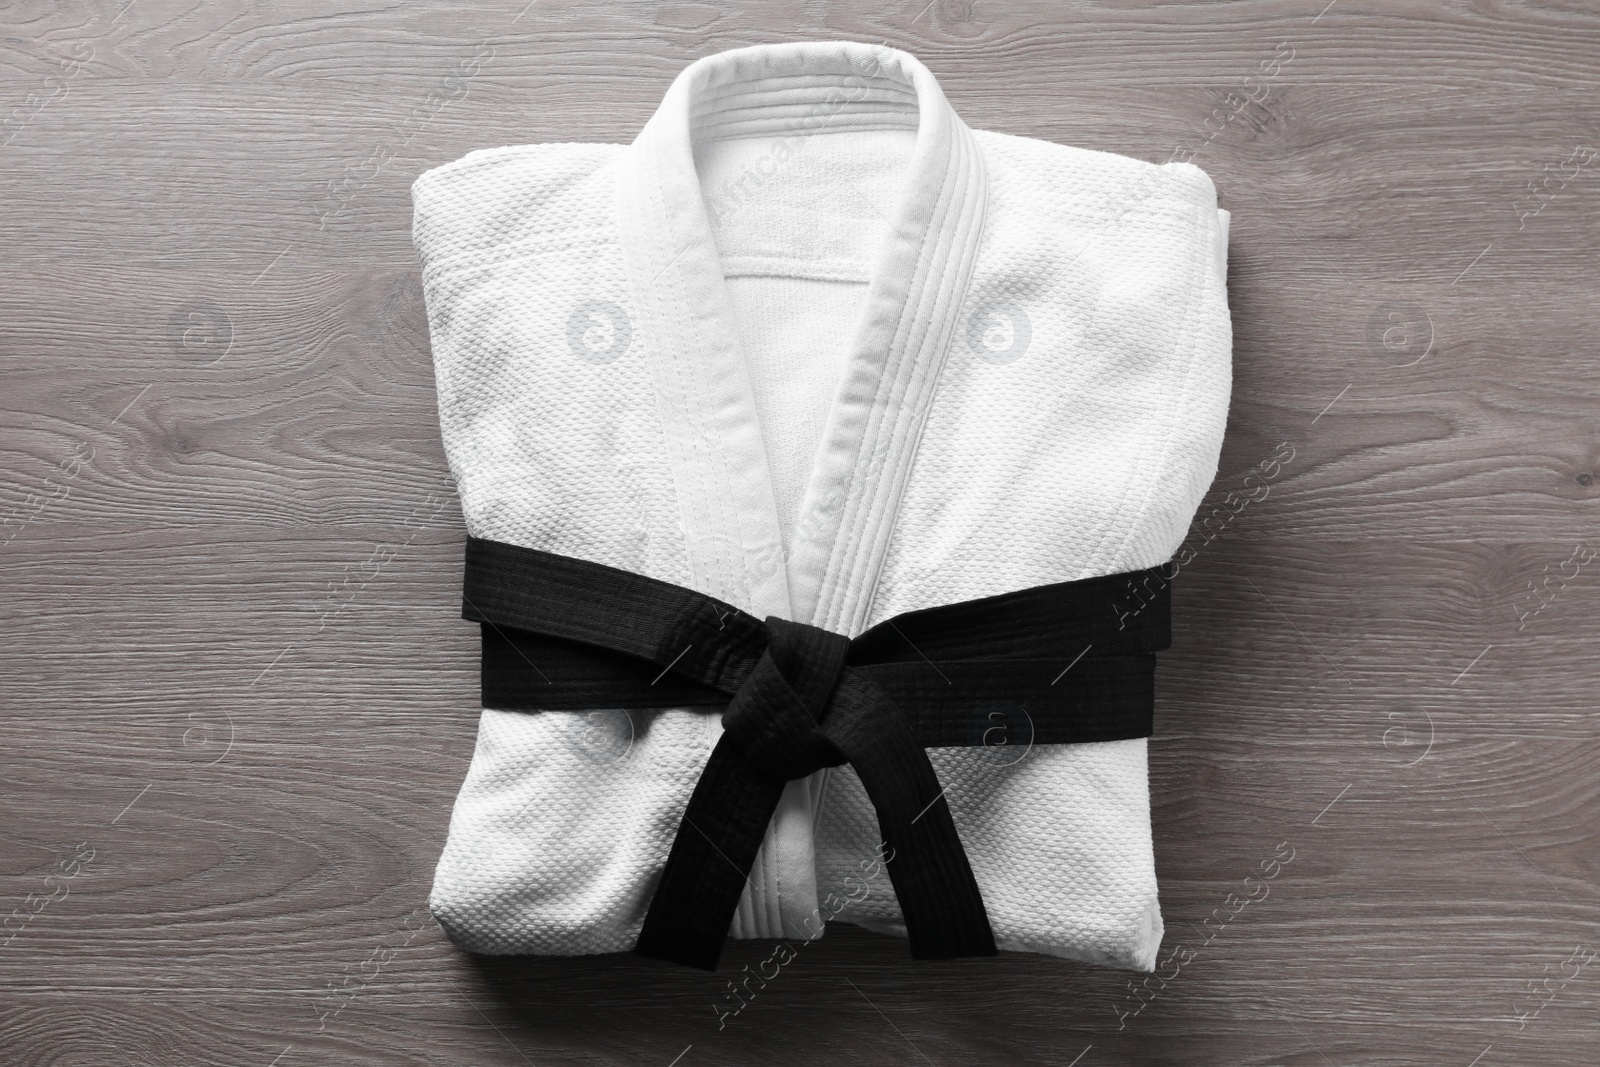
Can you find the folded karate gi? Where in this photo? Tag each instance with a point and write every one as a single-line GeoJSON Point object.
{"type": "Point", "coordinates": [827, 389]}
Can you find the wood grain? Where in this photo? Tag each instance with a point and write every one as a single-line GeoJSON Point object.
{"type": "Point", "coordinates": [219, 402]}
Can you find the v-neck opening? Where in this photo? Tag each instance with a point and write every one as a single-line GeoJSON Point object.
{"type": "Point", "coordinates": [829, 534]}
{"type": "Point", "coordinates": [799, 231]}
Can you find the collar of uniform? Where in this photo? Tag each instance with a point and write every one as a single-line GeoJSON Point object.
{"type": "Point", "coordinates": [917, 283]}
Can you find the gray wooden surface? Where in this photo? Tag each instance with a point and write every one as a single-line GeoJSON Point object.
{"type": "Point", "coordinates": [237, 699]}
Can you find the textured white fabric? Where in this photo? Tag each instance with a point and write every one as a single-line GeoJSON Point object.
{"type": "Point", "coordinates": [814, 347]}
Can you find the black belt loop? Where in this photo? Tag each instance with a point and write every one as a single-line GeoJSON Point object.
{"type": "Point", "coordinates": [566, 634]}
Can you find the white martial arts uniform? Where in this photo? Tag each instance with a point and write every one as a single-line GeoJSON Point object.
{"type": "Point", "coordinates": [812, 346]}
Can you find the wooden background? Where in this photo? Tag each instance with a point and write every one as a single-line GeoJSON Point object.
{"type": "Point", "coordinates": [236, 689]}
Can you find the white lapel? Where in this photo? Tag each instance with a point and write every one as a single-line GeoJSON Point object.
{"type": "Point", "coordinates": [914, 301]}
{"type": "Point", "coordinates": [718, 460]}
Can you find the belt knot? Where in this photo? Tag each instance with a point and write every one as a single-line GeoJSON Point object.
{"type": "Point", "coordinates": [774, 718]}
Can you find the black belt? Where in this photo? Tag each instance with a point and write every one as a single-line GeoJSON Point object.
{"type": "Point", "coordinates": [561, 634]}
